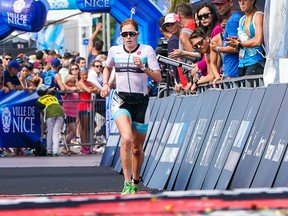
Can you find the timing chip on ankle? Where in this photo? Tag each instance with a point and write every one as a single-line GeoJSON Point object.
{"type": "Point", "coordinates": [134, 181]}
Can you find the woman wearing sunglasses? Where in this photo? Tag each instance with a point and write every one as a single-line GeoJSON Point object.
{"type": "Point", "coordinates": [209, 23]}
{"type": "Point", "coordinates": [201, 42]}
{"type": "Point", "coordinates": [133, 63]}
{"type": "Point", "coordinates": [74, 70]}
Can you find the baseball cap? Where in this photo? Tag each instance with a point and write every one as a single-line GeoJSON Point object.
{"type": "Point", "coordinates": [219, 1]}
{"type": "Point", "coordinates": [20, 60]}
{"type": "Point", "coordinates": [55, 62]}
{"type": "Point", "coordinates": [14, 64]}
{"type": "Point", "coordinates": [42, 87]}
{"type": "Point", "coordinates": [171, 18]}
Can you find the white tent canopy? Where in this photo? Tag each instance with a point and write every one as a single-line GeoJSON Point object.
{"type": "Point", "coordinates": [275, 34]}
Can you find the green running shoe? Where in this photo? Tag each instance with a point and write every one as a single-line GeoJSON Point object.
{"type": "Point", "coordinates": [134, 189]}
{"type": "Point", "coordinates": [127, 188]}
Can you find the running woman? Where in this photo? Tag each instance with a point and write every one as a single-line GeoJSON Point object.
{"type": "Point", "coordinates": [133, 63]}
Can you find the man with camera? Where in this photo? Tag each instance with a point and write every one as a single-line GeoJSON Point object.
{"type": "Point", "coordinates": [173, 24]}
{"type": "Point", "coordinates": [167, 45]}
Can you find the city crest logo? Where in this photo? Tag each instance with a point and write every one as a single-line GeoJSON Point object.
{"type": "Point", "coordinates": [18, 6]}
{"type": "Point", "coordinates": [6, 119]}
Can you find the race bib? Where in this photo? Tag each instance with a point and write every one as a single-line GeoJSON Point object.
{"type": "Point", "coordinates": [241, 53]}
{"type": "Point", "coordinates": [116, 103]}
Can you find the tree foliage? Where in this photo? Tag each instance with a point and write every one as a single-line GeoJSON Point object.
{"type": "Point", "coordinates": [174, 3]}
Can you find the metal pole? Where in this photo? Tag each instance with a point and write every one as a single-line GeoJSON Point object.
{"type": "Point", "coordinates": [168, 82]}
{"type": "Point", "coordinates": [104, 27]}
{"type": "Point", "coordinates": [108, 31]}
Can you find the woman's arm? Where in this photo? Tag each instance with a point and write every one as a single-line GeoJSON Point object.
{"type": "Point", "coordinates": [85, 88]}
{"type": "Point", "coordinates": [210, 75]}
{"type": "Point", "coordinates": [215, 62]}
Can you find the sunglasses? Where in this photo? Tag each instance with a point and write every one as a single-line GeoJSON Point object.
{"type": "Point", "coordinates": [8, 59]}
{"type": "Point", "coordinates": [74, 68]}
{"type": "Point", "coordinates": [131, 34]}
{"type": "Point", "coordinates": [98, 66]}
{"type": "Point", "coordinates": [205, 16]}
{"type": "Point", "coordinates": [200, 43]}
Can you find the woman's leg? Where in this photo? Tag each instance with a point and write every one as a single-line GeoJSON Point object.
{"type": "Point", "coordinates": [124, 125]}
{"type": "Point", "coordinates": [137, 153]}
{"type": "Point", "coordinates": [84, 131]}
{"type": "Point", "coordinates": [71, 132]}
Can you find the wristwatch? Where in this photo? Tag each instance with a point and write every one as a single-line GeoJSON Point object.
{"type": "Point", "coordinates": [240, 45]}
{"type": "Point", "coordinates": [195, 82]}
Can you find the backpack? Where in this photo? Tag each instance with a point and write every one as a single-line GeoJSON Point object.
{"type": "Point", "coordinates": [39, 149]}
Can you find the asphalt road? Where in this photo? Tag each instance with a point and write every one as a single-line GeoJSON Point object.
{"type": "Point", "coordinates": [61, 175]}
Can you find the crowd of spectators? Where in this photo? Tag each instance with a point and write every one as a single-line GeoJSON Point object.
{"type": "Point", "coordinates": [74, 83]}
{"type": "Point", "coordinates": [222, 43]}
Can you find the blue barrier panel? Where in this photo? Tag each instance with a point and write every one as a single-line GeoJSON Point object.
{"type": "Point", "coordinates": [281, 179]}
{"type": "Point", "coordinates": [151, 135]}
{"type": "Point", "coordinates": [153, 113]}
{"type": "Point", "coordinates": [117, 149]}
{"type": "Point", "coordinates": [117, 165]}
{"type": "Point", "coordinates": [167, 104]}
{"type": "Point", "coordinates": [241, 138]}
{"type": "Point", "coordinates": [229, 133]}
{"type": "Point", "coordinates": [193, 107]}
{"type": "Point", "coordinates": [111, 147]}
{"type": "Point", "coordinates": [210, 143]}
{"type": "Point", "coordinates": [158, 149]}
{"type": "Point", "coordinates": [275, 150]}
{"type": "Point", "coordinates": [20, 119]}
{"type": "Point", "coordinates": [258, 137]}
{"type": "Point", "coordinates": [170, 144]}
{"type": "Point", "coordinates": [199, 133]}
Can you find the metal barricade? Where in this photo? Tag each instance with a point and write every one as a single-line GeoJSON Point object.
{"type": "Point", "coordinates": [90, 125]}
{"type": "Point", "coordinates": [244, 81]}
{"type": "Point", "coordinates": [250, 81]}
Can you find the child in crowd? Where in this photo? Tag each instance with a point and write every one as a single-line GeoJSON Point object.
{"type": "Point", "coordinates": [53, 116]}
{"type": "Point", "coordinates": [70, 106]}
{"type": "Point", "coordinates": [86, 108]}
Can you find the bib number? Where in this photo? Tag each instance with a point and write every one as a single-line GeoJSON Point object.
{"type": "Point", "coordinates": [116, 103]}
